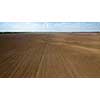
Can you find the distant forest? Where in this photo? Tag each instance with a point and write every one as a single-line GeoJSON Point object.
{"type": "Point", "coordinates": [46, 32]}
{"type": "Point", "coordinates": [12, 32]}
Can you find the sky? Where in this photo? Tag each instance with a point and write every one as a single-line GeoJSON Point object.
{"type": "Point", "coordinates": [49, 26]}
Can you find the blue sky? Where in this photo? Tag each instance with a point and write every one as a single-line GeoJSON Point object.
{"type": "Point", "coordinates": [49, 26]}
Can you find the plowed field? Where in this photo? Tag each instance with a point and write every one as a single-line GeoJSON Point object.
{"type": "Point", "coordinates": [49, 55]}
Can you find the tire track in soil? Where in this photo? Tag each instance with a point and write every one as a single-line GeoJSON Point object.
{"type": "Point", "coordinates": [19, 65]}
{"type": "Point", "coordinates": [66, 64]}
{"type": "Point", "coordinates": [65, 71]}
{"type": "Point", "coordinates": [33, 64]}
{"type": "Point", "coordinates": [77, 62]}
{"type": "Point", "coordinates": [72, 66]}
{"type": "Point", "coordinates": [41, 61]}
{"type": "Point", "coordinates": [23, 69]}
{"type": "Point", "coordinates": [67, 57]}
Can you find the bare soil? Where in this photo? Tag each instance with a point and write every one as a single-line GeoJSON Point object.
{"type": "Point", "coordinates": [50, 55]}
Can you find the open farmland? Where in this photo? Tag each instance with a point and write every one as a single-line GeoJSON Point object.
{"type": "Point", "coordinates": [50, 55]}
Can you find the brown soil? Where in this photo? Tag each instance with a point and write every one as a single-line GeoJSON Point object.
{"type": "Point", "coordinates": [49, 55]}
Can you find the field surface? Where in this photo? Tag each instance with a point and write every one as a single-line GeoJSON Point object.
{"type": "Point", "coordinates": [50, 55]}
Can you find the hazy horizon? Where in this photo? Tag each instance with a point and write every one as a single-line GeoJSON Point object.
{"type": "Point", "coordinates": [49, 26]}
